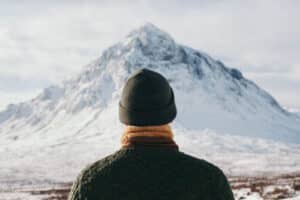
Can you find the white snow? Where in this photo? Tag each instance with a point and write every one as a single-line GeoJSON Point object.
{"type": "Point", "coordinates": [222, 116]}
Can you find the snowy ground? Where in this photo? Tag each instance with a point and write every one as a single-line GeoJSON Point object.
{"type": "Point", "coordinates": [278, 187]}
{"type": "Point", "coordinates": [246, 188]}
{"type": "Point", "coordinates": [33, 167]}
{"type": "Point", "coordinates": [53, 159]}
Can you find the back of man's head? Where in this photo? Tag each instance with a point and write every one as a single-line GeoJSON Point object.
{"type": "Point", "coordinates": [147, 99]}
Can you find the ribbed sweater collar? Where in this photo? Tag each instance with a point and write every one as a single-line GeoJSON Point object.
{"type": "Point", "coordinates": [148, 136]}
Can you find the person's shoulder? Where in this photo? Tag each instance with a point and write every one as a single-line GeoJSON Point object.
{"type": "Point", "coordinates": [202, 164]}
{"type": "Point", "coordinates": [88, 177]}
{"type": "Point", "coordinates": [212, 173]}
{"type": "Point", "coordinates": [101, 164]}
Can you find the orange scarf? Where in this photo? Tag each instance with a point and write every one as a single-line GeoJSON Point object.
{"type": "Point", "coordinates": [148, 136]}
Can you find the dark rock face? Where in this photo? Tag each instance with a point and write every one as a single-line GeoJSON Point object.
{"type": "Point", "coordinates": [236, 74]}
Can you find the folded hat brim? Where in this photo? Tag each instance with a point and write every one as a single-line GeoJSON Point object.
{"type": "Point", "coordinates": [148, 118]}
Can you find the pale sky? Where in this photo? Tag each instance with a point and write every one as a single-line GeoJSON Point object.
{"type": "Point", "coordinates": [44, 42]}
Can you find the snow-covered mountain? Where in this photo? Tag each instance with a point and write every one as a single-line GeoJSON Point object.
{"type": "Point", "coordinates": [219, 112]}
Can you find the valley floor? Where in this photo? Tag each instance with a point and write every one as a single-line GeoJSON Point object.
{"type": "Point", "coordinates": [244, 187]}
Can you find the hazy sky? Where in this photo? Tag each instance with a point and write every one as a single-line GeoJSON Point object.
{"type": "Point", "coordinates": [43, 42]}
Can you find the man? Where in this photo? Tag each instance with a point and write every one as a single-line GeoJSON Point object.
{"type": "Point", "coordinates": [149, 165]}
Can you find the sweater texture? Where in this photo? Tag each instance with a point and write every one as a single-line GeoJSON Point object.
{"type": "Point", "coordinates": [138, 171]}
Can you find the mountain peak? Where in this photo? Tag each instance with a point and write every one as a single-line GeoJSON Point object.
{"type": "Point", "coordinates": [151, 41]}
{"type": "Point", "coordinates": [149, 30]}
{"type": "Point", "coordinates": [149, 27]}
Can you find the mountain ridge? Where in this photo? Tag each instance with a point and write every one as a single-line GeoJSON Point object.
{"type": "Point", "coordinates": [100, 81]}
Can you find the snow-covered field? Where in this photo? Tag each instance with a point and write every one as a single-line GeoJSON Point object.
{"type": "Point", "coordinates": [222, 117]}
{"type": "Point", "coordinates": [248, 188]}
{"type": "Point", "coordinates": [44, 166]}
{"type": "Point", "coordinates": [58, 159]}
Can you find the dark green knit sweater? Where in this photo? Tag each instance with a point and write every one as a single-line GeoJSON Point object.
{"type": "Point", "coordinates": [145, 173]}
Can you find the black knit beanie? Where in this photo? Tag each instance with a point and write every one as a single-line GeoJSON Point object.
{"type": "Point", "coordinates": [147, 99]}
